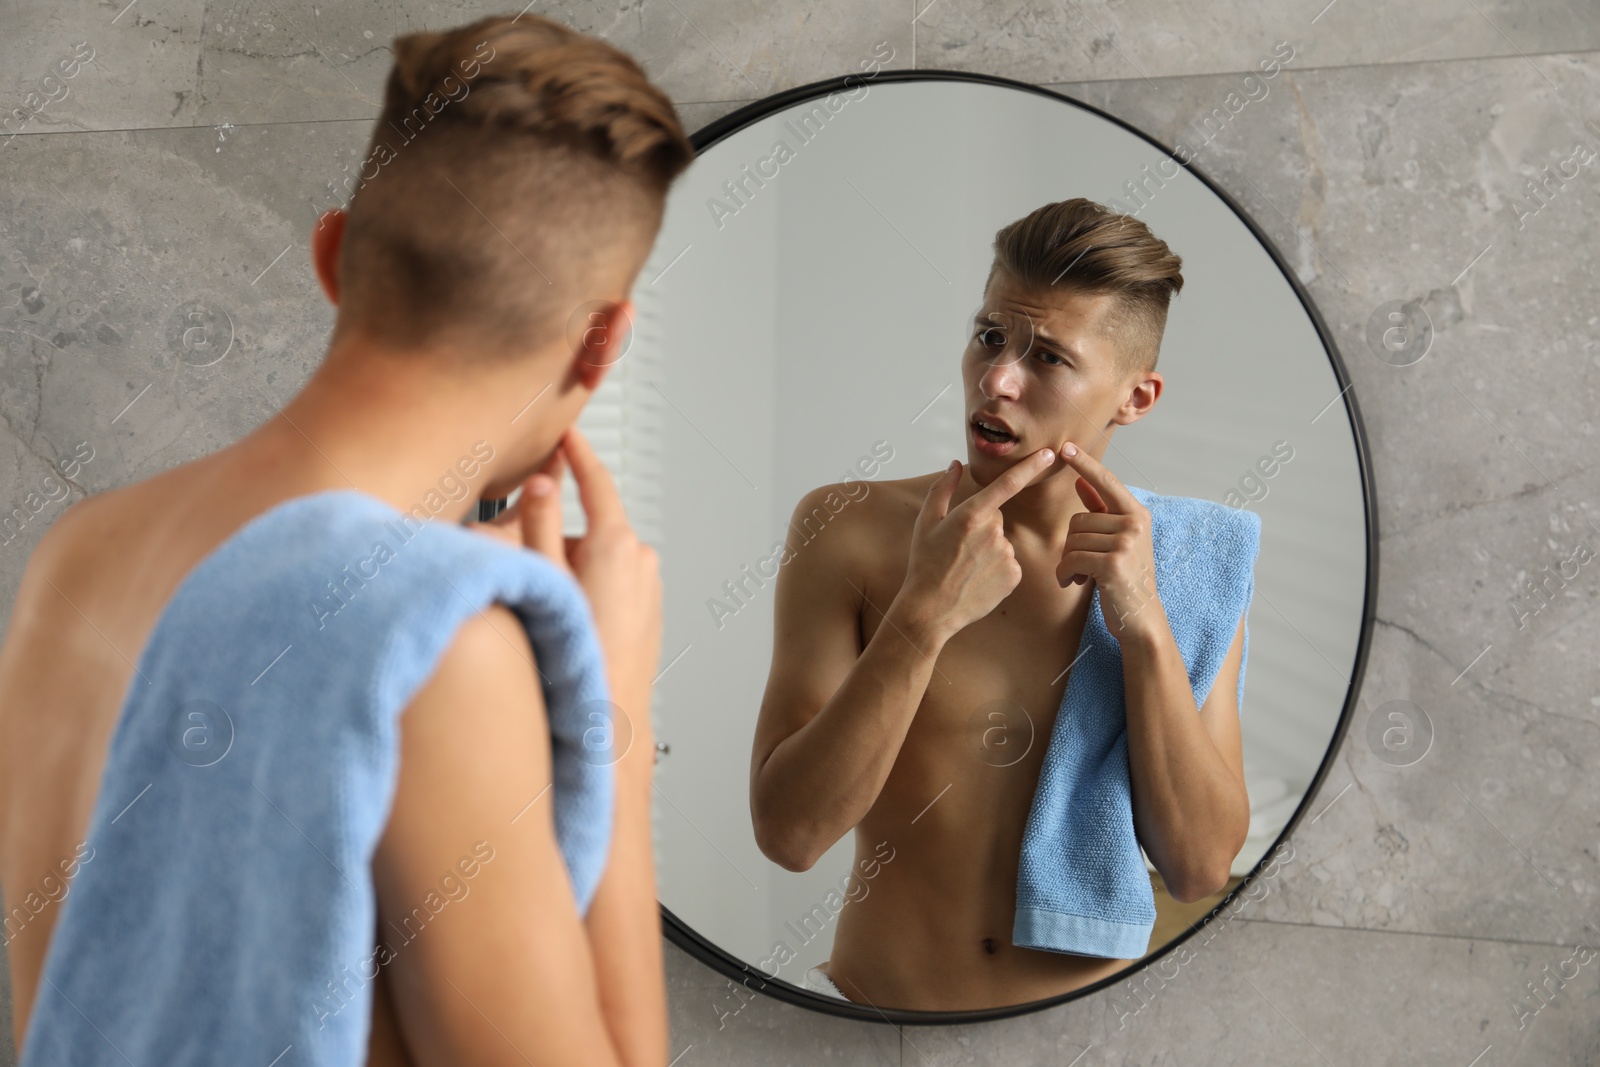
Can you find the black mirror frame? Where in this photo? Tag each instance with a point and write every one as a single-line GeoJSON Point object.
{"type": "Point", "coordinates": [686, 938]}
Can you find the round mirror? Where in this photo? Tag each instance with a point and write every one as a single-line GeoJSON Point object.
{"type": "Point", "coordinates": [802, 323]}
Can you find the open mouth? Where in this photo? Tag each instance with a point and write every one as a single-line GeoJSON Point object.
{"type": "Point", "coordinates": [991, 432]}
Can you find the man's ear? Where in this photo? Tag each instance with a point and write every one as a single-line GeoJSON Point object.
{"type": "Point", "coordinates": [326, 240]}
{"type": "Point", "coordinates": [600, 336]}
{"type": "Point", "coordinates": [1142, 396]}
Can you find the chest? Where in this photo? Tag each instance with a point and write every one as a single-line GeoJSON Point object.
{"type": "Point", "coordinates": [1007, 671]}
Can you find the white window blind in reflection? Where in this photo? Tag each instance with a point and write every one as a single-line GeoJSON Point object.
{"type": "Point", "coordinates": [623, 423]}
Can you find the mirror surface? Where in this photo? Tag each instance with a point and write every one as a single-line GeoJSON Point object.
{"type": "Point", "coordinates": [802, 320]}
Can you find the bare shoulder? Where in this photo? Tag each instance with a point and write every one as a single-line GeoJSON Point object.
{"type": "Point", "coordinates": [71, 636]}
{"type": "Point", "coordinates": [66, 539]}
{"type": "Point", "coordinates": [860, 517]}
{"type": "Point", "coordinates": [476, 731]}
{"type": "Point", "coordinates": [60, 576]}
{"type": "Point", "coordinates": [495, 638]}
{"type": "Point", "coordinates": [903, 497]}
{"type": "Point", "coordinates": [490, 653]}
{"type": "Point", "coordinates": [119, 553]}
{"type": "Point", "coordinates": [96, 533]}
{"type": "Point", "coordinates": [72, 607]}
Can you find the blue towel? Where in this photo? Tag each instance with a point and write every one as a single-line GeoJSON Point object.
{"type": "Point", "coordinates": [229, 915]}
{"type": "Point", "coordinates": [1082, 885]}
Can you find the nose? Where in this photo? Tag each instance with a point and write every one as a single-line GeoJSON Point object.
{"type": "Point", "coordinates": [1000, 376]}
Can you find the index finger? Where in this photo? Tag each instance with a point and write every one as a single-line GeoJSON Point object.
{"type": "Point", "coordinates": [1108, 485]}
{"type": "Point", "coordinates": [1011, 481]}
{"type": "Point", "coordinates": [596, 490]}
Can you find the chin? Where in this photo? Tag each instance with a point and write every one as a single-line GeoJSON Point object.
{"type": "Point", "coordinates": [985, 469]}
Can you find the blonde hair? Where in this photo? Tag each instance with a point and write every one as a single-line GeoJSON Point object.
{"type": "Point", "coordinates": [1081, 246]}
{"type": "Point", "coordinates": [521, 168]}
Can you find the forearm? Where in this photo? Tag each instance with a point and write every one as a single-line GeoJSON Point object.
{"type": "Point", "coordinates": [1186, 799]}
{"type": "Point", "coordinates": [822, 780]}
{"type": "Point", "coordinates": [624, 918]}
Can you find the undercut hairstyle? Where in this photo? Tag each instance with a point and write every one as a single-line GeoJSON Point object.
{"type": "Point", "coordinates": [1080, 246]}
{"type": "Point", "coordinates": [518, 169]}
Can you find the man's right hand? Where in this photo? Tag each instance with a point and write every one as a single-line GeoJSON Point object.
{"type": "Point", "coordinates": [961, 565]}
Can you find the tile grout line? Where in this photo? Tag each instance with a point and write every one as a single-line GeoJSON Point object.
{"type": "Point", "coordinates": [1398, 933]}
{"type": "Point", "coordinates": [740, 101]}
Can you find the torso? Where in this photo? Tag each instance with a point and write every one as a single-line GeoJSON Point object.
{"type": "Point", "coordinates": [933, 932]}
{"type": "Point", "coordinates": [116, 558]}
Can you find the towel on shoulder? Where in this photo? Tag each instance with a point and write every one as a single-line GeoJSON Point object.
{"type": "Point", "coordinates": [230, 915]}
{"type": "Point", "coordinates": [1082, 885]}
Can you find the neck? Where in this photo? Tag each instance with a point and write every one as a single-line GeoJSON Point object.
{"type": "Point", "coordinates": [407, 428]}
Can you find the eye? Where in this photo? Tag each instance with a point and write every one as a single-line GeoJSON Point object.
{"type": "Point", "coordinates": [1045, 353]}
{"type": "Point", "coordinates": [985, 336]}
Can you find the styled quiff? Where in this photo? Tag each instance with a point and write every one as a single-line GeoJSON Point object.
{"type": "Point", "coordinates": [1080, 246]}
{"type": "Point", "coordinates": [517, 170]}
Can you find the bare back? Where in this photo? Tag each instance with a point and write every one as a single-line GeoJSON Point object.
{"type": "Point", "coordinates": [88, 600]}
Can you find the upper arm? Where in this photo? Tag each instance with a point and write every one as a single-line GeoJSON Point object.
{"type": "Point", "coordinates": [60, 677]}
{"type": "Point", "coordinates": [489, 959]}
{"type": "Point", "coordinates": [1220, 712]}
{"type": "Point", "coordinates": [816, 633]}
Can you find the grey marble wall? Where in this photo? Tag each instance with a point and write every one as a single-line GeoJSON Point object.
{"type": "Point", "coordinates": [182, 167]}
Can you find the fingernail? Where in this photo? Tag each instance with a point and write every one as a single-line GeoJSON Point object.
{"type": "Point", "coordinates": [1049, 456]}
{"type": "Point", "coordinates": [540, 486]}
{"type": "Point", "coordinates": [1069, 449]}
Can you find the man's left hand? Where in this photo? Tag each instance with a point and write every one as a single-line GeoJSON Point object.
{"type": "Point", "coordinates": [1110, 544]}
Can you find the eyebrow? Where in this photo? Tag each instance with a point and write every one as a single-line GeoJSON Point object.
{"type": "Point", "coordinates": [1058, 346]}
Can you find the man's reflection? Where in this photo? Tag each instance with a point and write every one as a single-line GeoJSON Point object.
{"type": "Point", "coordinates": [923, 644]}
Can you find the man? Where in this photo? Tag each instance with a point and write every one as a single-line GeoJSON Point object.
{"type": "Point", "coordinates": [935, 597]}
{"type": "Point", "coordinates": [515, 185]}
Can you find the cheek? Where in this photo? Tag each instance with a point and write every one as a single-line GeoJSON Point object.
{"type": "Point", "coordinates": [1048, 394]}
{"type": "Point", "coordinates": [1067, 406]}
{"type": "Point", "coordinates": [1061, 396]}
{"type": "Point", "coordinates": [973, 368]}
{"type": "Point", "coordinates": [1066, 394]}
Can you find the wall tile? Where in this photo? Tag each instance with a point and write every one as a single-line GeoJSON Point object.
{"type": "Point", "coordinates": [181, 172]}
{"type": "Point", "coordinates": [713, 1025]}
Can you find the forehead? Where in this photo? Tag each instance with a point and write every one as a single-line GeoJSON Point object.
{"type": "Point", "coordinates": [1063, 314]}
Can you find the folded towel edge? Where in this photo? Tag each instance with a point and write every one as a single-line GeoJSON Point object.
{"type": "Point", "coordinates": [1042, 929]}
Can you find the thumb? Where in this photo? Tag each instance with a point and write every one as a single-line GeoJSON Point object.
{"type": "Point", "coordinates": [937, 504]}
{"type": "Point", "coordinates": [539, 509]}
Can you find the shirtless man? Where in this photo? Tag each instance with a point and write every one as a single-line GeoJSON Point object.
{"type": "Point", "coordinates": [420, 366]}
{"type": "Point", "coordinates": [934, 596]}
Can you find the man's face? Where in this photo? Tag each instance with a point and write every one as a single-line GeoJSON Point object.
{"type": "Point", "coordinates": [1038, 364]}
